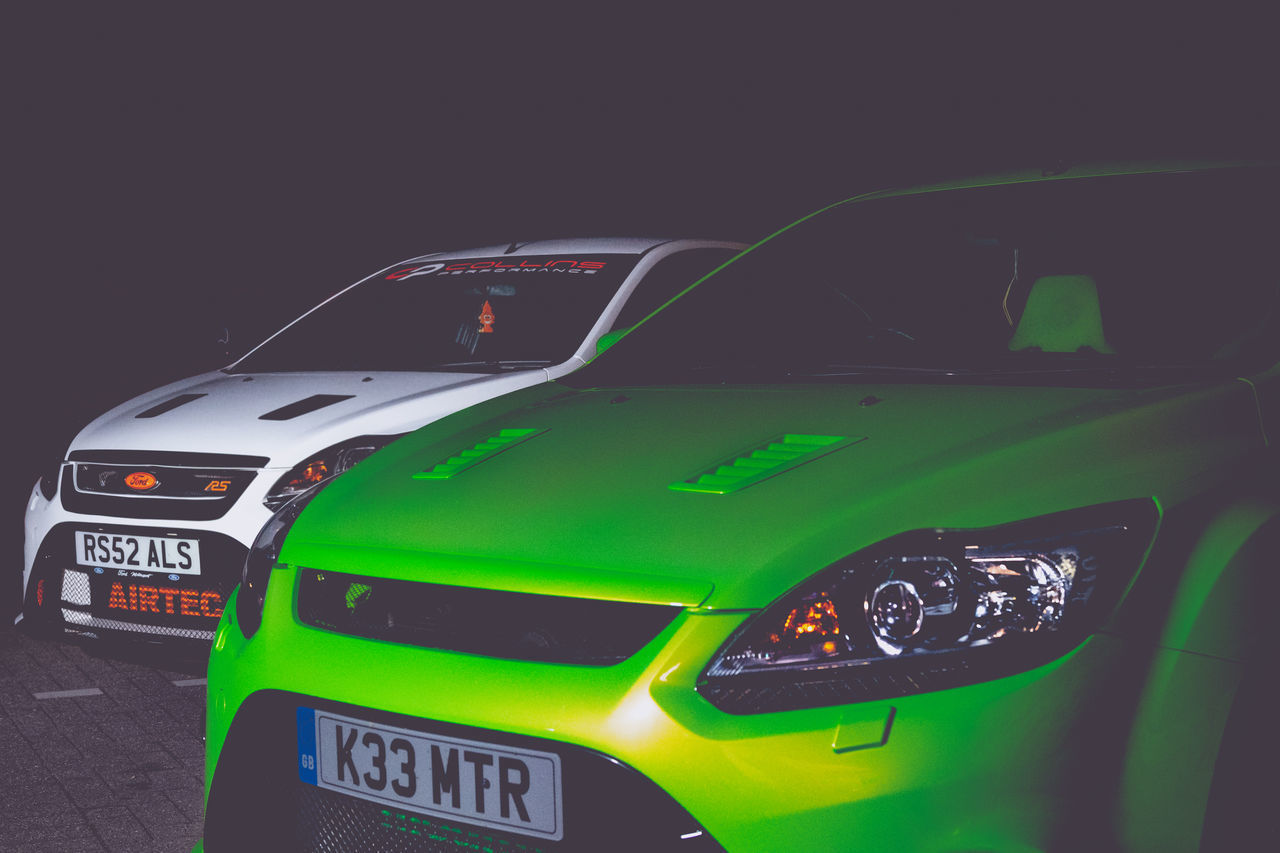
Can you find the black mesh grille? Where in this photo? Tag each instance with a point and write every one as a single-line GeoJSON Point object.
{"type": "Point", "coordinates": [518, 626]}
{"type": "Point", "coordinates": [98, 489]}
{"type": "Point", "coordinates": [258, 803]}
{"type": "Point", "coordinates": [330, 822]}
{"type": "Point", "coordinates": [208, 484]}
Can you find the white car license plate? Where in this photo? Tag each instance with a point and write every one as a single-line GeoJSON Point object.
{"type": "Point", "coordinates": [486, 784]}
{"type": "Point", "coordinates": [165, 554]}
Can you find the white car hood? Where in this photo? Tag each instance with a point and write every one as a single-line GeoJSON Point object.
{"type": "Point", "coordinates": [285, 416]}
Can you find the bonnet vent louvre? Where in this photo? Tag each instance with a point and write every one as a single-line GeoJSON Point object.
{"type": "Point", "coordinates": [169, 405]}
{"type": "Point", "coordinates": [304, 406]}
{"type": "Point", "coordinates": [487, 449]}
{"type": "Point", "coordinates": [774, 457]}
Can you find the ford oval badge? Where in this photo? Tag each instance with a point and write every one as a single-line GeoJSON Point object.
{"type": "Point", "coordinates": [141, 481]}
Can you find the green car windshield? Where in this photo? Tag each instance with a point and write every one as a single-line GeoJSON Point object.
{"type": "Point", "coordinates": [475, 315]}
{"type": "Point", "coordinates": [1127, 279]}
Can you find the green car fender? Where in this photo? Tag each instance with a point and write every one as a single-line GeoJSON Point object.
{"type": "Point", "coordinates": [1210, 635]}
{"type": "Point", "coordinates": [1225, 573]}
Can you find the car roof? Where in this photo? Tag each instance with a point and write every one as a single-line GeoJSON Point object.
{"type": "Point", "coordinates": [575, 245]}
{"type": "Point", "coordinates": [1065, 171]}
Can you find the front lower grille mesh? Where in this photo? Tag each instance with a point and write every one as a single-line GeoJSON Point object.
{"type": "Point", "coordinates": [331, 822]}
{"type": "Point", "coordinates": [75, 588]}
{"type": "Point", "coordinates": [85, 620]}
{"type": "Point", "coordinates": [518, 626]}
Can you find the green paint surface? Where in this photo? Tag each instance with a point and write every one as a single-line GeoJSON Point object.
{"type": "Point", "coordinates": [721, 498]}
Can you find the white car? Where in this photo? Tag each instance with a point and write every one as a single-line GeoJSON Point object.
{"type": "Point", "coordinates": [141, 530]}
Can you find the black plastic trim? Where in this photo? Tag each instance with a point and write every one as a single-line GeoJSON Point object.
{"type": "Point", "coordinates": [169, 405]}
{"type": "Point", "coordinates": [161, 509]}
{"type": "Point", "coordinates": [517, 626]}
{"type": "Point", "coordinates": [304, 406]}
{"type": "Point", "coordinates": [180, 459]}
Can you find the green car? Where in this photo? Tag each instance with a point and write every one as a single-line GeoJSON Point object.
{"type": "Point", "coordinates": [943, 519]}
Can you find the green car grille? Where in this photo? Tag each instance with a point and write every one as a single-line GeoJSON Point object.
{"type": "Point", "coordinates": [512, 625]}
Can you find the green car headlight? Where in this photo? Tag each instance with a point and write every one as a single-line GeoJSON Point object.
{"type": "Point", "coordinates": [262, 558]}
{"type": "Point", "coordinates": [933, 609]}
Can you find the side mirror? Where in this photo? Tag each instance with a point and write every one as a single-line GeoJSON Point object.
{"type": "Point", "coordinates": [607, 340]}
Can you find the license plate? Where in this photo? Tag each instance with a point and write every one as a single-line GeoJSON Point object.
{"type": "Point", "coordinates": [500, 787]}
{"type": "Point", "coordinates": [166, 554]}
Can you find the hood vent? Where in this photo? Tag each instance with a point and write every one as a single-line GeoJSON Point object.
{"type": "Point", "coordinates": [304, 406]}
{"type": "Point", "coordinates": [780, 454]}
{"type": "Point", "coordinates": [169, 405]}
{"type": "Point", "coordinates": [487, 449]}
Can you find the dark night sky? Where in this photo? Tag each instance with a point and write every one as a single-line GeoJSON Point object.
{"type": "Point", "coordinates": [172, 172]}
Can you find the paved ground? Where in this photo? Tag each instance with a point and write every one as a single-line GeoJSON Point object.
{"type": "Point", "coordinates": [95, 754]}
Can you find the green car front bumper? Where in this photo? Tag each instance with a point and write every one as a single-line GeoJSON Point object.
{"type": "Point", "coordinates": [1030, 762]}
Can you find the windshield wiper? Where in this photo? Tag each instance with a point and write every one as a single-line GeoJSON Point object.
{"type": "Point", "coordinates": [738, 372]}
{"type": "Point", "coordinates": [1110, 373]}
{"type": "Point", "coordinates": [493, 364]}
{"type": "Point", "coordinates": [860, 369]}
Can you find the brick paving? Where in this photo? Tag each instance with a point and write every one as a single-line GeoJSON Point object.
{"type": "Point", "coordinates": [118, 771]}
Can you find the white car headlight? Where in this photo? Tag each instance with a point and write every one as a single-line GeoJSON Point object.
{"type": "Point", "coordinates": [322, 466]}
{"type": "Point", "coordinates": [262, 558]}
{"type": "Point", "coordinates": [49, 480]}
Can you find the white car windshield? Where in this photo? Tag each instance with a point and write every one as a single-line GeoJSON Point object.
{"type": "Point", "coordinates": [473, 315]}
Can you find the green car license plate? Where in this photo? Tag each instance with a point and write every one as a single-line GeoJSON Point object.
{"type": "Point", "coordinates": [479, 783]}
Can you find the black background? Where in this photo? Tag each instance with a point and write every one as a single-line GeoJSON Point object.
{"type": "Point", "coordinates": [174, 170]}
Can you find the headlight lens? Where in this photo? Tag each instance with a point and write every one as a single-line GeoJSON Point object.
{"type": "Point", "coordinates": [934, 609]}
{"type": "Point", "coordinates": [263, 555]}
{"type": "Point", "coordinates": [323, 466]}
{"type": "Point", "coordinates": [49, 480]}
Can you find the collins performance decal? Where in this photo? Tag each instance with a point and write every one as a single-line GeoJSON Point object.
{"type": "Point", "coordinates": [473, 267]}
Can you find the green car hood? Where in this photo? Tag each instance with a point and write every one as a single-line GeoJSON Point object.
{"type": "Point", "coordinates": [577, 499]}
